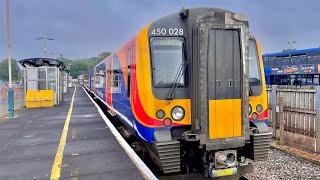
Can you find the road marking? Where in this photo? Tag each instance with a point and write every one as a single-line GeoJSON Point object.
{"type": "Point", "coordinates": [143, 168]}
{"type": "Point", "coordinates": [55, 172]}
{"type": "Point", "coordinates": [4, 147]}
{"type": "Point", "coordinates": [74, 134]}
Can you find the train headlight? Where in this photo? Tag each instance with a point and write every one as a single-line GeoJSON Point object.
{"type": "Point", "coordinates": [177, 113]}
{"type": "Point", "coordinates": [259, 108]}
{"type": "Point", "coordinates": [160, 114]}
{"type": "Point", "coordinates": [231, 159]}
{"type": "Point", "coordinates": [250, 109]}
{"type": "Point", "coordinates": [226, 158]}
{"type": "Point", "coordinates": [221, 159]}
{"type": "Point", "coordinates": [167, 122]}
{"type": "Point", "coordinates": [255, 116]}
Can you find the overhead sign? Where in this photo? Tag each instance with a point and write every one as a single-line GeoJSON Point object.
{"type": "Point", "coordinates": [296, 69]}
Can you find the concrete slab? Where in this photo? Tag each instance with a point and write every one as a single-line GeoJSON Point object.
{"type": "Point", "coordinates": [28, 144]}
{"type": "Point", "coordinates": [27, 169]}
{"type": "Point", "coordinates": [92, 152]}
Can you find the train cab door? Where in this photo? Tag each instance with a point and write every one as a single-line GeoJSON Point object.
{"type": "Point", "coordinates": [218, 95]}
{"type": "Point", "coordinates": [224, 88]}
{"type": "Point", "coordinates": [94, 83]}
{"type": "Point", "coordinates": [109, 84]}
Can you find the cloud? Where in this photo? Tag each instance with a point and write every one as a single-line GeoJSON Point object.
{"type": "Point", "coordinates": [84, 28]}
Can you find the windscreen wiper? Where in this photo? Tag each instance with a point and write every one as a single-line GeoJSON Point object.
{"type": "Point", "coordinates": [253, 81]}
{"type": "Point", "coordinates": [250, 90]}
{"type": "Point", "coordinates": [178, 76]}
{"type": "Point", "coordinates": [176, 81]}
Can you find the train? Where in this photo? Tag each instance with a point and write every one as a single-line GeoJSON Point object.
{"type": "Point", "coordinates": [191, 87]}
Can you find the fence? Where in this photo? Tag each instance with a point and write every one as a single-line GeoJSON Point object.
{"type": "Point", "coordinates": [19, 97]}
{"type": "Point", "coordinates": [300, 109]}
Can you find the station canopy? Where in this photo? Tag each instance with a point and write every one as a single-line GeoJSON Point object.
{"type": "Point", "coordinates": [38, 62]}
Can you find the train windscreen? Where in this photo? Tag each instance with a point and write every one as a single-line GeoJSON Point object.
{"type": "Point", "coordinates": [254, 66]}
{"type": "Point", "coordinates": [167, 57]}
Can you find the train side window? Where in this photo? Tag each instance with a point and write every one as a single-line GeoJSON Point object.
{"type": "Point", "coordinates": [129, 72]}
{"type": "Point", "coordinates": [294, 60]}
{"type": "Point", "coordinates": [316, 59]}
{"type": "Point", "coordinates": [285, 60]}
{"type": "Point", "coordinates": [116, 77]}
{"type": "Point", "coordinates": [265, 61]}
{"type": "Point", "coordinates": [313, 58]}
{"type": "Point", "coordinates": [303, 59]}
{"type": "Point", "coordinates": [277, 61]}
{"type": "Point", "coordinates": [271, 61]}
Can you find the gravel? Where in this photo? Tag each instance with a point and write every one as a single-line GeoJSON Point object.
{"type": "Point", "coordinates": [281, 165]}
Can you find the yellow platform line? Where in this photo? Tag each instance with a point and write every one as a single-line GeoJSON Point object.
{"type": "Point", "coordinates": [55, 172]}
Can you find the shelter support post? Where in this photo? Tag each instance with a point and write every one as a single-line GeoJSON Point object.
{"type": "Point", "coordinates": [11, 102]}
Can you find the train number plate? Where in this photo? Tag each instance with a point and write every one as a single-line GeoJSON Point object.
{"type": "Point", "coordinates": [224, 172]}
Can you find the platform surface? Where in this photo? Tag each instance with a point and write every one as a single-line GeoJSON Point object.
{"type": "Point", "coordinates": [29, 143]}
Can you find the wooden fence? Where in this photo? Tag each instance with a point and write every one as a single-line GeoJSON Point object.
{"type": "Point", "coordinates": [301, 109]}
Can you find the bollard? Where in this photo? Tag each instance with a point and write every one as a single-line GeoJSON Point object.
{"type": "Point", "coordinates": [11, 102]}
{"type": "Point", "coordinates": [281, 119]}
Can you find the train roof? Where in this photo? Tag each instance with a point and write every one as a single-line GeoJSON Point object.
{"type": "Point", "coordinates": [295, 52]}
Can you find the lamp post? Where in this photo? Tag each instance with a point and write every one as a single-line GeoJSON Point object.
{"type": "Point", "coordinates": [291, 43]}
{"type": "Point", "coordinates": [10, 90]}
{"type": "Point", "coordinates": [45, 44]}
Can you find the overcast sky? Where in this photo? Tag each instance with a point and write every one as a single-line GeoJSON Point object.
{"type": "Point", "coordinates": [84, 28]}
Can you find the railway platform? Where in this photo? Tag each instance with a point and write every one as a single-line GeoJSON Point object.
{"type": "Point", "coordinates": [73, 140]}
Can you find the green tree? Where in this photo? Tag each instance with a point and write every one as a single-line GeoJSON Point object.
{"type": "Point", "coordinates": [82, 65]}
{"type": "Point", "coordinates": [67, 62]}
{"type": "Point", "coordinates": [104, 55]}
{"type": "Point", "coordinates": [285, 50]}
{"type": "Point", "coordinates": [4, 74]}
{"type": "Point", "coordinates": [78, 67]}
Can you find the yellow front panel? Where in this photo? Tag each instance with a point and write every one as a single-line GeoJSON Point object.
{"type": "Point", "coordinates": [144, 82]}
{"type": "Point", "coordinates": [224, 118]}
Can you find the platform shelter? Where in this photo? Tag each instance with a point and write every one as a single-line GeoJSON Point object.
{"type": "Point", "coordinates": [44, 81]}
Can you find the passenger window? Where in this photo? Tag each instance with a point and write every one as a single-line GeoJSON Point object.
{"type": "Point", "coordinates": [294, 60]}
{"type": "Point", "coordinates": [285, 61]}
{"type": "Point", "coordinates": [278, 61]}
{"type": "Point", "coordinates": [129, 72]}
{"type": "Point", "coordinates": [116, 77]}
{"type": "Point", "coordinates": [303, 59]}
{"type": "Point", "coordinates": [265, 61]}
{"type": "Point", "coordinates": [272, 61]}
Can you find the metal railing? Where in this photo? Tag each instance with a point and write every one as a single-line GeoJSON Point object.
{"type": "Point", "coordinates": [19, 97]}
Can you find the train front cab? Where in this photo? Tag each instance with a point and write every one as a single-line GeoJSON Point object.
{"type": "Point", "coordinates": [225, 128]}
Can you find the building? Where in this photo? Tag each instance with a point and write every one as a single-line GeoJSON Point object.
{"type": "Point", "coordinates": [298, 67]}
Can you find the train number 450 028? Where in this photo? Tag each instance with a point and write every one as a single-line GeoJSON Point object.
{"type": "Point", "coordinates": [166, 32]}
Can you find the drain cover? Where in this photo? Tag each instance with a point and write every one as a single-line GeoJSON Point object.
{"type": "Point", "coordinates": [64, 165]}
